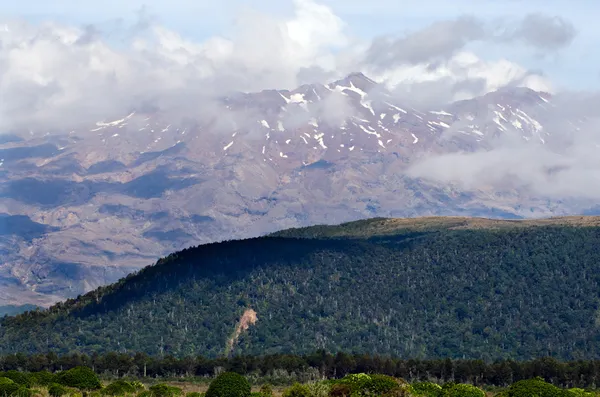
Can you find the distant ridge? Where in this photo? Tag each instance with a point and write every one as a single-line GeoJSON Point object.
{"type": "Point", "coordinates": [425, 287]}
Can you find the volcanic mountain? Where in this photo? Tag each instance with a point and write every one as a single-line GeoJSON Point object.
{"type": "Point", "coordinates": [84, 207]}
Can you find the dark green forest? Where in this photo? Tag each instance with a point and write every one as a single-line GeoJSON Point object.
{"type": "Point", "coordinates": [285, 369]}
{"type": "Point", "coordinates": [485, 293]}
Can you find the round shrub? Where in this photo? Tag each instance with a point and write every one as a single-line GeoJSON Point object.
{"type": "Point", "coordinates": [119, 388]}
{"type": "Point", "coordinates": [462, 390]}
{"type": "Point", "coordinates": [145, 393]}
{"type": "Point", "coordinates": [536, 387]}
{"type": "Point", "coordinates": [381, 384]}
{"type": "Point", "coordinates": [356, 382]}
{"type": "Point", "coordinates": [56, 390]}
{"type": "Point", "coordinates": [82, 378]}
{"type": "Point", "coordinates": [297, 390]}
{"type": "Point", "coordinates": [427, 389]}
{"type": "Point", "coordinates": [229, 384]}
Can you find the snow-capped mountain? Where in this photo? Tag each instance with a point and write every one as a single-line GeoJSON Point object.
{"type": "Point", "coordinates": [84, 207]}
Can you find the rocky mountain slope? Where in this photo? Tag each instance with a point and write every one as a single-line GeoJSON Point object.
{"type": "Point", "coordinates": [82, 208]}
{"type": "Point", "coordinates": [428, 287]}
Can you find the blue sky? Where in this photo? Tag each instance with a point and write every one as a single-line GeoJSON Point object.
{"type": "Point", "coordinates": [577, 66]}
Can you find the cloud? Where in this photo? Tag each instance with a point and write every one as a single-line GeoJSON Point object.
{"type": "Point", "coordinates": [438, 41]}
{"type": "Point", "coordinates": [566, 166]}
{"type": "Point", "coordinates": [61, 77]}
{"type": "Point", "coordinates": [463, 76]}
{"type": "Point", "coordinates": [544, 32]}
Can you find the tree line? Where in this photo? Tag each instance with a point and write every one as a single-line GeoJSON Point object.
{"type": "Point", "coordinates": [567, 374]}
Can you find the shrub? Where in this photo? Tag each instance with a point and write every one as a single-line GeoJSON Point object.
{"type": "Point", "coordinates": [145, 393]}
{"type": "Point", "coordinates": [56, 390]}
{"type": "Point", "coordinates": [266, 390]}
{"type": "Point", "coordinates": [19, 378]}
{"type": "Point", "coordinates": [194, 394]}
{"type": "Point", "coordinates": [229, 384]}
{"type": "Point", "coordinates": [137, 385]}
{"type": "Point", "coordinates": [255, 394]}
{"type": "Point", "coordinates": [297, 390]}
{"type": "Point", "coordinates": [356, 382]}
{"type": "Point", "coordinates": [381, 384]}
{"type": "Point", "coordinates": [581, 392]}
{"type": "Point", "coordinates": [366, 385]}
{"type": "Point", "coordinates": [536, 387]}
{"type": "Point", "coordinates": [428, 389]}
{"type": "Point", "coordinates": [462, 390]}
{"type": "Point", "coordinates": [163, 390]}
{"type": "Point", "coordinates": [318, 389]}
{"type": "Point", "coordinates": [7, 387]}
{"type": "Point", "coordinates": [82, 378]}
{"type": "Point", "coordinates": [22, 391]}
{"type": "Point", "coordinates": [119, 388]}
{"type": "Point", "coordinates": [42, 378]}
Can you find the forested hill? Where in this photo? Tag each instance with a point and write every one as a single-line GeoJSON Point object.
{"type": "Point", "coordinates": [430, 287]}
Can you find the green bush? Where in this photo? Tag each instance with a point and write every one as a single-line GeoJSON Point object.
{"type": "Point", "coordinates": [7, 387]}
{"type": "Point", "coordinates": [427, 389]}
{"type": "Point", "coordinates": [266, 390]}
{"type": "Point", "coordinates": [255, 394]}
{"type": "Point", "coordinates": [56, 390]}
{"type": "Point", "coordinates": [318, 389]}
{"type": "Point", "coordinates": [194, 394]}
{"type": "Point", "coordinates": [82, 378]}
{"type": "Point", "coordinates": [145, 393]}
{"type": "Point", "coordinates": [356, 382]}
{"type": "Point", "coordinates": [19, 378]}
{"type": "Point", "coordinates": [462, 390]}
{"type": "Point", "coordinates": [229, 384]}
{"type": "Point", "coordinates": [137, 385]}
{"type": "Point", "coordinates": [581, 392]}
{"type": "Point", "coordinates": [297, 390]}
{"type": "Point", "coordinates": [42, 378]}
{"type": "Point", "coordinates": [381, 384]}
{"type": "Point", "coordinates": [163, 390]}
{"type": "Point", "coordinates": [536, 387]}
{"type": "Point", "coordinates": [22, 391]}
{"type": "Point", "coordinates": [367, 385]}
{"type": "Point", "coordinates": [119, 388]}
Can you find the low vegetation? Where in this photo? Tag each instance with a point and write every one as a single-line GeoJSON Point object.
{"type": "Point", "coordinates": [230, 384]}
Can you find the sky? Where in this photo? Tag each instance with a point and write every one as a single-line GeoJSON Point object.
{"type": "Point", "coordinates": [577, 66]}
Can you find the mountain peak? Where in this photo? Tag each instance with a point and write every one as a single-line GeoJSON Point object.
{"type": "Point", "coordinates": [356, 79]}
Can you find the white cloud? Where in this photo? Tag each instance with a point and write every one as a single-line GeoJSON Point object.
{"type": "Point", "coordinates": [57, 76]}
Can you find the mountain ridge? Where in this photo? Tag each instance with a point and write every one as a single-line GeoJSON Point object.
{"type": "Point", "coordinates": [119, 194]}
{"type": "Point", "coordinates": [516, 291]}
